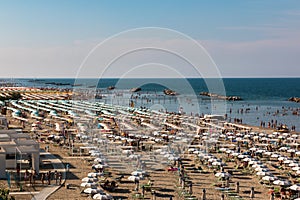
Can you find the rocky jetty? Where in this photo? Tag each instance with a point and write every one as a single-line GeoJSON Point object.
{"type": "Point", "coordinates": [221, 97]}
{"type": "Point", "coordinates": [295, 99]}
{"type": "Point", "coordinates": [135, 89]}
{"type": "Point", "coordinates": [170, 92]}
{"type": "Point", "coordinates": [111, 87]}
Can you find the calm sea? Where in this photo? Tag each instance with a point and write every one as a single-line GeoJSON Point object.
{"type": "Point", "coordinates": [265, 99]}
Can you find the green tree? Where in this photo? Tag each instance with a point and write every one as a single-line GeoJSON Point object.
{"type": "Point", "coordinates": [4, 195]}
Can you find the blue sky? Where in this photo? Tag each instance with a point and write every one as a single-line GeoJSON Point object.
{"type": "Point", "coordinates": [249, 38]}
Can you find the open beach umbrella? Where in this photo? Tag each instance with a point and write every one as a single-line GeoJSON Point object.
{"type": "Point", "coordinates": [291, 150]}
{"type": "Point", "coordinates": [92, 191]}
{"type": "Point", "coordinates": [260, 173]}
{"type": "Point", "coordinates": [100, 166]}
{"type": "Point", "coordinates": [133, 178]}
{"type": "Point", "coordinates": [96, 154]}
{"type": "Point", "coordinates": [247, 159]}
{"type": "Point", "coordinates": [102, 196]}
{"type": "Point", "coordinates": [86, 184]}
{"type": "Point", "coordinates": [296, 168]}
{"type": "Point", "coordinates": [295, 187]}
{"type": "Point", "coordinates": [275, 155]}
{"type": "Point", "coordinates": [282, 158]}
{"type": "Point", "coordinates": [282, 182]}
{"type": "Point", "coordinates": [216, 163]}
{"type": "Point", "coordinates": [259, 169]}
{"type": "Point", "coordinates": [89, 180]}
{"type": "Point", "coordinates": [94, 174]}
{"type": "Point", "coordinates": [283, 148]}
{"type": "Point", "coordinates": [293, 164]}
{"type": "Point", "coordinates": [287, 161]}
{"type": "Point", "coordinates": [222, 174]}
{"type": "Point", "coordinates": [98, 160]}
{"type": "Point", "coordinates": [269, 178]}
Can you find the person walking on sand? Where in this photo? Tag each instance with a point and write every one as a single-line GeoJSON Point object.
{"type": "Point", "coordinates": [49, 177]}
{"type": "Point", "coordinates": [56, 177]}
{"type": "Point", "coordinates": [60, 177]}
{"type": "Point", "coordinates": [42, 178]}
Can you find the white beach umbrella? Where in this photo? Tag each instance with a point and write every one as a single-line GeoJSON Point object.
{"type": "Point", "coordinates": [92, 191]}
{"type": "Point", "coordinates": [94, 174]}
{"type": "Point", "coordinates": [283, 149]}
{"type": "Point", "coordinates": [218, 163]}
{"type": "Point", "coordinates": [98, 160]}
{"type": "Point", "coordinates": [235, 154]}
{"type": "Point", "coordinates": [275, 155]}
{"type": "Point", "coordinates": [102, 196]}
{"type": "Point", "coordinates": [291, 150]}
{"type": "Point", "coordinates": [133, 178]}
{"type": "Point", "coordinates": [260, 173]}
{"type": "Point", "coordinates": [222, 174]}
{"type": "Point", "coordinates": [260, 151]}
{"type": "Point", "coordinates": [295, 187]}
{"type": "Point", "coordinates": [292, 164]}
{"type": "Point", "coordinates": [253, 149]}
{"type": "Point", "coordinates": [252, 162]}
{"type": "Point", "coordinates": [287, 161]}
{"type": "Point", "coordinates": [242, 156]}
{"type": "Point", "coordinates": [282, 182]}
{"type": "Point", "coordinates": [296, 168]}
{"type": "Point", "coordinates": [96, 154]}
{"type": "Point", "coordinates": [282, 158]}
{"type": "Point", "coordinates": [247, 159]}
{"type": "Point", "coordinates": [258, 169]}
{"type": "Point", "coordinates": [99, 166]}
{"type": "Point", "coordinates": [86, 184]}
{"type": "Point", "coordinates": [89, 180]}
{"type": "Point", "coordinates": [269, 178]}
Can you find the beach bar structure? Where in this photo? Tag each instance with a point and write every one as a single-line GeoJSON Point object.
{"type": "Point", "coordinates": [15, 149]}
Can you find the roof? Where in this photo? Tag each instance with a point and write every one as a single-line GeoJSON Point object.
{"type": "Point", "coordinates": [22, 149]}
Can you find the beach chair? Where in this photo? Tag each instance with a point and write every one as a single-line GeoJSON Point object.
{"type": "Point", "coordinates": [119, 178]}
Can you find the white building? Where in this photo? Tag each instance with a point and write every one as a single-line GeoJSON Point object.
{"type": "Point", "coordinates": [17, 149]}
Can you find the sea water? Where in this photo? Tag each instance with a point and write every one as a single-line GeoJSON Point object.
{"type": "Point", "coordinates": [264, 99]}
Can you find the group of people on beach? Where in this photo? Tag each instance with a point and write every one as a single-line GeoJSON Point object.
{"type": "Point", "coordinates": [49, 176]}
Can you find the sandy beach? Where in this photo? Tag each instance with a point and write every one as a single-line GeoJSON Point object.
{"type": "Point", "coordinates": [182, 158]}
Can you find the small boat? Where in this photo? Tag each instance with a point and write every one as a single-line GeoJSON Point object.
{"type": "Point", "coordinates": [135, 89]}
